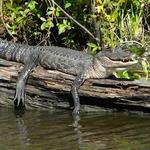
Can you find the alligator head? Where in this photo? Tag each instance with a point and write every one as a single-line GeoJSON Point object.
{"type": "Point", "coordinates": [116, 58]}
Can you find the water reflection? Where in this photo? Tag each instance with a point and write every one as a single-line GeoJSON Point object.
{"type": "Point", "coordinates": [23, 134]}
{"type": "Point", "coordinates": [77, 128]}
{"type": "Point", "coordinates": [60, 131]}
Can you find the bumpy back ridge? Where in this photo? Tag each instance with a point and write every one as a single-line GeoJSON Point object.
{"type": "Point", "coordinates": [14, 51]}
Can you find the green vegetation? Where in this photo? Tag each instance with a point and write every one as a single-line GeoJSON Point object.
{"type": "Point", "coordinates": [112, 22]}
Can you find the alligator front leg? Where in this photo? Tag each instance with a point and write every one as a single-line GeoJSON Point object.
{"type": "Point", "coordinates": [75, 86]}
{"type": "Point", "coordinates": [20, 96]}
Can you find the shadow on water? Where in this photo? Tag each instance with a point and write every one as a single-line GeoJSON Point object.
{"type": "Point", "coordinates": [44, 130]}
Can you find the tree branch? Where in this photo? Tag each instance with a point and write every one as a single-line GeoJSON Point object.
{"type": "Point", "coordinates": [2, 19]}
{"type": "Point", "coordinates": [70, 17]}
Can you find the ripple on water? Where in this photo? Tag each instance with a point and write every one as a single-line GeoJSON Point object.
{"type": "Point", "coordinates": [43, 130]}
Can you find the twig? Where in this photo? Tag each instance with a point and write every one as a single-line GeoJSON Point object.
{"type": "Point", "coordinates": [70, 17]}
{"type": "Point", "coordinates": [2, 19]}
{"type": "Point", "coordinates": [97, 24]}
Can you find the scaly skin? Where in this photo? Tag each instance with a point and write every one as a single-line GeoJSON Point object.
{"type": "Point", "coordinates": [80, 64]}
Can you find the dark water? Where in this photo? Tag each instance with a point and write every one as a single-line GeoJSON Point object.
{"type": "Point", "coordinates": [44, 130]}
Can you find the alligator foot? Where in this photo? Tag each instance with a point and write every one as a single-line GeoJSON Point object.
{"type": "Point", "coordinates": [76, 111]}
{"type": "Point", "coordinates": [75, 86]}
{"type": "Point", "coordinates": [20, 96]}
{"type": "Point", "coordinates": [19, 99]}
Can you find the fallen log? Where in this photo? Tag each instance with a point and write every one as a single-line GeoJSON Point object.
{"type": "Point", "coordinates": [51, 89]}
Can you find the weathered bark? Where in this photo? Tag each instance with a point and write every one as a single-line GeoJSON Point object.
{"type": "Point", "coordinates": [96, 22]}
{"type": "Point", "coordinates": [50, 89]}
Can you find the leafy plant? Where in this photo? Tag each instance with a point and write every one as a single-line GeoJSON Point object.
{"type": "Point", "coordinates": [21, 19]}
{"type": "Point", "coordinates": [128, 74]}
{"type": "Point", "coordinates": [119, 21]}
{"type": "Point", "coordinates": [93, 47]}
{"type": "Point", "coordinates": [146, 68]}
{"type": "Point", "coordinates": [62, 27]}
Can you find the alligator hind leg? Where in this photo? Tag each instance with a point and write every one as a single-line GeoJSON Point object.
{"type": "Point", "coordinates": [75, 86]}
{"type": "Point", "coordinates": [19, 99]}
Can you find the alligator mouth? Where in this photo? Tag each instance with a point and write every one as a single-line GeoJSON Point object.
{"type": "Point", "coordinates": [125, 60]}
{"type": "Point", "coordinates": [118, 63]}
{"type": "Point", "coordinates": [131, 58]}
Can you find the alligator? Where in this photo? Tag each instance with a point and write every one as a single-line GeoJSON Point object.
{"type": "Point", "coordinates": [80, 64]}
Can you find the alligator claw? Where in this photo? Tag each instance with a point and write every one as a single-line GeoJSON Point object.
{"type": "Point", "coordinates": [76, 111]}
{"type": "Point", "coordinates": [20, 94]}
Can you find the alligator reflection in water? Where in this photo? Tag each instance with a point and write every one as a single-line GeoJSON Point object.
{"type": "Point", "coordinates": [23, 134]}
{"type": "Point", "coordinates": [59, 131]}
